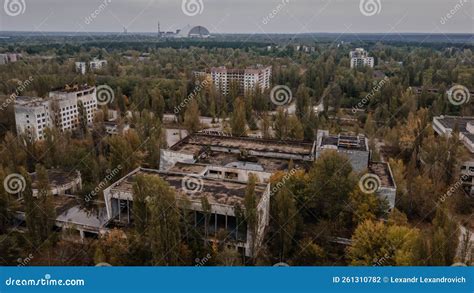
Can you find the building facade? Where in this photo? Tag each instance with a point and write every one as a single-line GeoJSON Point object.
{"type": "Point", "coordinates": [95, 64]}
{"type": "Point", "coordinates": [359, 58]}
{"type": "Point", "coordinates": [445, 126]}
{"type": "Point", "coordinates": [245, 79]}
{"type": "Point", "coordinates": [225, 196]}
{"type": "Point", "coordinates": [61, 109]}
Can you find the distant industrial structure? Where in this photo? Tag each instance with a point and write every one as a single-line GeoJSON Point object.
{"type": "Point", "coordinates": [61, 110]}
{"type": "Point", "coordinates": [196, 32]}
{"type": "Point", "coordinates": [359, 58]}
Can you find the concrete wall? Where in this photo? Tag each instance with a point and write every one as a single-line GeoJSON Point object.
{"type": "Point", "coordinates": [169, 158]}
{"type": "Point", "coordinates": [359, 159]}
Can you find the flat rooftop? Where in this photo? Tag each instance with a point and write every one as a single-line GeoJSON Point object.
{"type": "Point", "coordinates": [452, 122]}
{"type": "Point", "coordinates": [94, 217]}
{"type": "Point", "coordinates": [217, 191]}
{"type": "Point", "coordinates": [29, 101]}
{"type": "Point", "coordinates": [382, 170]}
{"type": "Point", "coordinates": [57, 177]}
{"type": "Point", "coordinates": [193, 144]}
{"type": "Point", "coordinates": [73, 88]}
{"type": "Point", "coordinates": [345, 141]}
{"type": "Point", "coordinates": [245, 152]}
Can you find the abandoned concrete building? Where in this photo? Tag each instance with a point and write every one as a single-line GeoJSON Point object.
{"type": "Point", "coordinates": [60, 181]}
{"type": "Point", "coordinates": [81, 222]}
{"type": "Point", "coordinates": [387, 188]}
{"type": "Point", "coordinates": [446, 126]}
{"type": "Point", "coordinates": [213, 153]}
{"type": "Point", "coordinates": [265, 155]}
{"type": "Point", "coordinates": [355, 147]}
{"type": "Point", "coordinates": [225, 196]}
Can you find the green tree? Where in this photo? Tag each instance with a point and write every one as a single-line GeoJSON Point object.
{"type": "Point", "coordinates": [284, 222]}
{"type": "Point", "coordinates": [191, 117]}
{"type": "Point", "coordinates": [375, 243]}
{"type": "Point", "coordinates": [238, 121]}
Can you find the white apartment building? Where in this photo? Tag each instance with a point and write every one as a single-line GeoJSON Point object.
{"type": "Point", "coordinates": [246, 79]}
{"type": "Point", "coordinates": [359, 58]}
{"type": "Point", "coordinates": [32, 116]}
{"type": "Point", "coordinates": [95, 64]}
{"type": "Point", "coordinates": [9, 58]}
{"type": "Point", "coordinates": [60, 109]}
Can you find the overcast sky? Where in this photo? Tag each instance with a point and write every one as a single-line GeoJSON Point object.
{"type": "Point", "coordinates": [240, 16]}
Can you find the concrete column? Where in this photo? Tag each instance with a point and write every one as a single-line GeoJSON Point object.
{"type": "Point", "coordinates": [215, 224]}
{"type": "Point", "coordinates": [128, 211]}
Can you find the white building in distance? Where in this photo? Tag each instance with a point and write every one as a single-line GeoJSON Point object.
{"type": "Point", "coordinates": [61, 109]}
{"type": "Point", "coordinates": [246, 79]}
{"type": "Point", "coordinates": [359, 58]}
{"type": "Point", "coordinates": [95, 64]}
{"type": "Point", "coordinates": [9, 58]}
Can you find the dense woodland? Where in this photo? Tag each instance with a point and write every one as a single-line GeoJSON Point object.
{"type": "Point", "coordinates": [313, 207]}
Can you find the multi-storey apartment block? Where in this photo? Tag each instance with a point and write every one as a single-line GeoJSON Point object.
{"type": "Point", "coordinates": [32, 116]}
{"type": "Point", "coordinates": [95, 64]}
{"type": "Point", "coordinates": [245, 79]}
{"type": "Point", "coordinates": [61, 109]}
{"type": "Point", "coordinates": [359, 58]}
{"type": "Point", "coordinates": [9, 58]}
